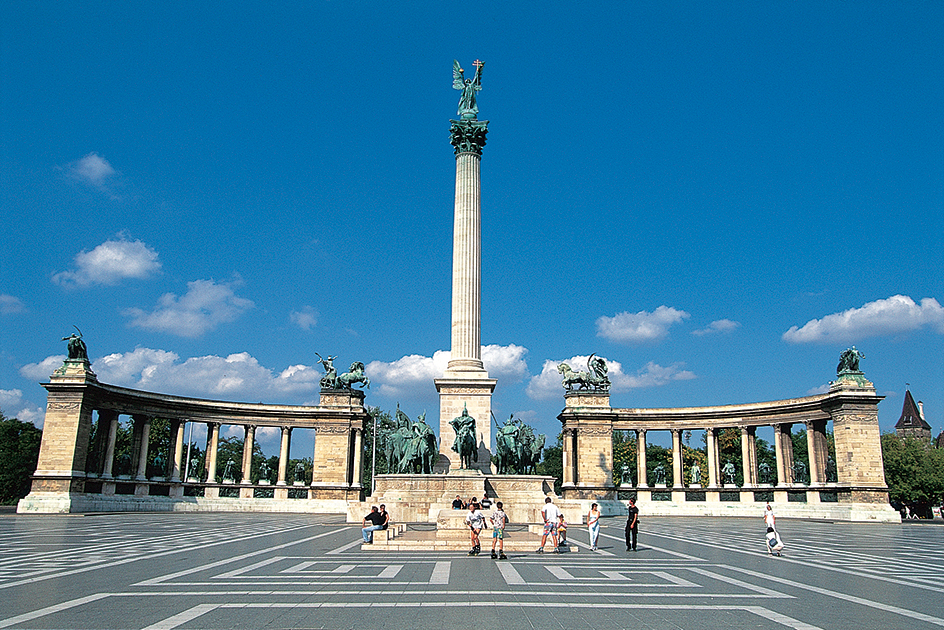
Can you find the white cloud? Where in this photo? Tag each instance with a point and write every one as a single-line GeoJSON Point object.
{"type": "Point", "coordinates": [109, 263]}
{"type": "Point", "coordinates": [43, 370]}
{"type": "Point", "coordinates": [547, 384]}
{"type": "Point", "coordinates": [819, 389]}
{"type": "Point", "coordinates": [10, 398]}
{"type": "Point", "coordinates": [718, 326]}
{"type": "Point", "coordinates": [306, 319]}
{"type": "Point", "coordinates": [13, 406]}
{"type": "Point", "coordinates": [237, 376]}
{"type": "Point", "coordinates": [10, 304]}
{"type": "Point", "coordinates": [890, 316]}
{"type": "Point", "coordinates": [639, 327]}
{"type": "Point", "coordinates": [413, 375]}
{"type": "Point", "coordinates": [205, 305]}
{"type": "Point", "coordinates": [92, 169]}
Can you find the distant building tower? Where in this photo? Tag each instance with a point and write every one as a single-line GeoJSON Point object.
{"type": "Point", "coordinates": [912, 423]}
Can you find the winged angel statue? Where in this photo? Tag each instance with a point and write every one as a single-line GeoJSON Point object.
{"type": "Point", "coordinates": [468, 110]}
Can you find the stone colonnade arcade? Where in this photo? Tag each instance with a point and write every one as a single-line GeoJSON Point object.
{"type": "Point", "coordinates": [858, 494]}
{"type": "Point", "coordinates": [65, 481]}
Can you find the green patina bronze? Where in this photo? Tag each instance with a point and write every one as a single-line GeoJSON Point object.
{"type": "Point", "coordinates": [411, 447]}
{"type": "Point", "coordinates": [468, 110]}
{"type": "Point", "coordinates": [465, 443]}
{"type": "Point", "coordinates": [467, 134]}
{"type": "Point", "coordinates": [595, 378]}
{"type": "Point", "coordinates": [849, 361]}
{"type": "Point", "coordinates": [518, 448]}
{"type": "Point", "coordinates": [345, 381]}
{"type": "Point", "coordinates": [76, 347]}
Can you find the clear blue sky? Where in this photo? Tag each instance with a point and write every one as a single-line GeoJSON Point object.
{"type": "Point", "coordinates": [718, 198]}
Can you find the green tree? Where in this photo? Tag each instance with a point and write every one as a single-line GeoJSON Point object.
{"type": "Point", "coordinates": [914, 470]}
{"type": "Point", "coordinates": [19, 451]}
{"type": "Point", "coordinates": [552, 464]}
{"type": "Point", "coordinates": [385, 424]}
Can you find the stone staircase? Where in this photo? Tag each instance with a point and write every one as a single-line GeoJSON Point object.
{"type": "Point", "coordinates": [452, 534]}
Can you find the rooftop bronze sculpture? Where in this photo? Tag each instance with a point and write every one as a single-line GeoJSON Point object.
{"type": "Point", "coordinates": [594, 378]}
{"type": "Point", "coordinates": [76, 347]}
{"type": "Point", "coordinates": [849, 360]}
{"type": "Point", "coordinates": [468, 110]}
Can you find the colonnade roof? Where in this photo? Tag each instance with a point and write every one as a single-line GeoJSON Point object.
{"type": "Point", "coordinates": [792, 410]}
{"type": "Point", "coordinates": [133, 402]}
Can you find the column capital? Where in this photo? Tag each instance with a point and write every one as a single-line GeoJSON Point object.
{"type": "Point", "coordinates": [468, 136]}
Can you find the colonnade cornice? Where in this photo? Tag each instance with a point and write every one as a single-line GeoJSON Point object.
{"type": "Point", "coordinates": [137, 402]}
{"type": "Point", "coordinates": [790, 411]}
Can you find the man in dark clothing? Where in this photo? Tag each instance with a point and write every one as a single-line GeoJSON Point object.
{"type": "Point", "coordinates": [372, 522]}
{"type": "Point", "coordinates": [632, 526]}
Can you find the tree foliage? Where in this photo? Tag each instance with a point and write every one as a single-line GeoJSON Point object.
{"type": "Point", "coordinates": [914, 470]}
{"type": "Point", "coordinates": [19, 451]}
{"type": "Point", "coordinates": [553, 463]}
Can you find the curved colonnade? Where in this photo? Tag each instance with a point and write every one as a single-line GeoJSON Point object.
{"type": "Point", "coordinates": [66, 481]}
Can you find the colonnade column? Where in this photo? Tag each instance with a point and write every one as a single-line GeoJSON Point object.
{"type": "Point", "coordinates": [711, 438]}
{"type": "Point", "coordinates": [641, 480]}
{"type": "Point", "coordinates": [749, 455]}
{"type": "Point", "coordinates": [283, 454]}
{"type": "Point", "coordinates": [178, 449]}
{"type": "Point", "coordinates": [142, 430]}
{"type": "Point", "coordinates": [568, 459]}
{"type": "Point", "coordinates": [677, 458]}
{"type": "Point", "coordinates": [250, 433]}
{"type": "Point", "coordinates": [109, 460]}
{"type": "Point", "coordinates": [784, 449]}
{"type": "Point", "coordinates": [818, 451]}
{"type": "Point", "coordinates": [357, 469]}
{"type": "Point", "coordinates": [213, 444]}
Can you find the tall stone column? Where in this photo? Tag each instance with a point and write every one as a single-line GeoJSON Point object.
{"type": "Point", "coordinates": [142, 430]}
{"type": "Point", "coordinates": [711, 437]}
{"type": "Point", "coordinates": [250, 433]}
{"type": "Point", "coordinates": [283, 454]}
{"type": "Point", "coordinates": [357, 468]}
{"type": "Point", "coordinates": [677, 458]}
{"type": "Point", "coordinates": [568, 459]}
{"type": "Point", "coordinates": [749, 455]}
{"type": "Point", "coordinates": [109, 456]}
{"type": "Point", "coordinates": [784, 443]}
{"type": "Point", "coordinates": [213, 446]}
{"type": "Point", "coordinates": [177, 428]}
{"type": "Point", "coordinates": [465, 383]}
{"type": "Point", "coordinates": [641, 480]}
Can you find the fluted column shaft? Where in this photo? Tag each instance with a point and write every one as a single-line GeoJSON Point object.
{"type": "Point", "coordinates": [467, 266]}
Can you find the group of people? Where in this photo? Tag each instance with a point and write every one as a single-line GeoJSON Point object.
{"type": "Point", "coordinates": [377, 519]}
{"type": "Point", "coordinates": [459, 504]}
{"type": "Point", "coordinates": [476, 522]}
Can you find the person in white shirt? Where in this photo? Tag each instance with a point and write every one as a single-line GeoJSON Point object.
{"type": "Point", "coordinates": [550, 512]}
{"type": "Point", "coordinates": [476, 522]}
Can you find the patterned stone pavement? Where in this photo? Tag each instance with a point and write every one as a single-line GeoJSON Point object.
{"type": "Point", "coordinates": [188, 571]}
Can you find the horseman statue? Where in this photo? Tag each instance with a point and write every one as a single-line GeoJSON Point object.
{"type": "Point", "coordinates": [519, 450]}
{"type": "Point", "coordinates": [594, 378]}
{"type": "Point", "coordinates": [465, 444]}
{"type": "Point", "coordinates": [421, 449]}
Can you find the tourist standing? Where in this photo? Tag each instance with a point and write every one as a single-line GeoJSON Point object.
{"type": "Point", "coordinates": [550, 512]}
{"type": "Point", "coordinates": [499, 520]}
{"type": "Point", "coordinates": [476, 522]}
{"type": "Point", "coordinates": [632, 525]}
{"type": "Point", "coordinates": [593, 525]}
{"type": "Point", "coordinates": [769, 519]}
{"type": "Point", "coordinates": [372, 522]}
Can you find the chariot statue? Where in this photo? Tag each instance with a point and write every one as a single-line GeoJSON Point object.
{"type": "Point", "coordinates": [594, 378]}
